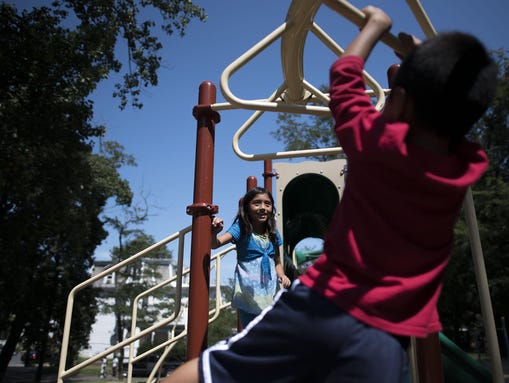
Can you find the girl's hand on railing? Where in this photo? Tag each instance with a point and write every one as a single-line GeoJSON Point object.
{"type": "Point", "coordinates": [284, 281]}
{"type": "Point", "coordinates": [216, 225]}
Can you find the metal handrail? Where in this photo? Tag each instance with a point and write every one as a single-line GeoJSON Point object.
{"type": "Point", "coordinates": [177, 310]}
{"type": "Point", "coordinates": [62, 372]}
{"type": "Point", "coordinates": [180, 235]}
{"type": "Point", "coordinates": [172, 340]}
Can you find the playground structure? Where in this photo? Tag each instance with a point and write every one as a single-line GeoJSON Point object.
{"type": "Point", "coordinates": [294, 182]}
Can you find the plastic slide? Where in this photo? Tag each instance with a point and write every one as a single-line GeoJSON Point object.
{"type": "Point", "coordinates": [459, 367]}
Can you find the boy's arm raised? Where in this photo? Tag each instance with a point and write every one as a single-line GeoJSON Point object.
{"type": "Point", "coordinates": [377, 24]}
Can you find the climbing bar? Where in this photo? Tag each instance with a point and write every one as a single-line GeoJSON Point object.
{"type": "Point", "coordinates": [422, 18]}
{"type": "Point", "coordinates": [354, 15]}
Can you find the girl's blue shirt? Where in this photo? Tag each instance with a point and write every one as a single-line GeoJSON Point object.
{"type": "Point", "coordinates": [255, 278]}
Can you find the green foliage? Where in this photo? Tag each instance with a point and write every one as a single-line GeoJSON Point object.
{"type": "Point", "coordinates": [105, 166]}
{"type": "Point", "coordinates": [493, 129]}
{"type": "Point", "coordinates": [179, 352]}
{"type": "Point", "coordinates": [306, 132]}
{"type": "Point", "coordinates": [223, 327]}
{"type": "Point", "coordinates": [103, 26]}
{"type": "Point", "coordinates": [49, 202]}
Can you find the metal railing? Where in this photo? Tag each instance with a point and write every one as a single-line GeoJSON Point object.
{"type": "Point", "coordinates": [134, 335]}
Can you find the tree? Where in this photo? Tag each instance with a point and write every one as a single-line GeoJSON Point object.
{"type": "Point", "coordinates": [103, 26]}
{"type": "Point", "coordinates": [50, 199]}
{"type": "Point", "coordinates": [226, 323]}
{"type": "Point", "coordinates": [306, 132]}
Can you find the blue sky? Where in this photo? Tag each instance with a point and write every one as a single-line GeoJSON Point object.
{"type": "Point", "coordinates": [162, 135]}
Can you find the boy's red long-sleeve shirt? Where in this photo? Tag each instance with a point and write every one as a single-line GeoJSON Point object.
{"type": "Point", "coordinates": [390, 239]}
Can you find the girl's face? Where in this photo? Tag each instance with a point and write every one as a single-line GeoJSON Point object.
{"type": "Point", "coordinates": [260, 208]}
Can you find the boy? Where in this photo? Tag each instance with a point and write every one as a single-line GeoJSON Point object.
{"type": "Point", "coordinates": [350, 316]}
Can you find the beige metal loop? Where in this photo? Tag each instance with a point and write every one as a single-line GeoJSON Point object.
{"type": "Point", "coordinates": [295, 95]}
{"type": "Point", "coordinates": [293, 33]}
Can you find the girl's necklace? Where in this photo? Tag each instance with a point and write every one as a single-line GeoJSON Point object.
{"type": "Point", "coordinates": [262, 240]}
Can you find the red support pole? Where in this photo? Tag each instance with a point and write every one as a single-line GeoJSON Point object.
{"type": "Point", "coordinates": [429, 359]}
{"type": "Point", "coordinates": [201, 210]}
{"type": "Point", "coordinates": [267, 175]}
{"type": "Point", "coordinates": [251, 182]}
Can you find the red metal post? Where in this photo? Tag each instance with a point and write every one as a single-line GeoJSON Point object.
{"type": "Point", "coordinates": [201, 210]}
{"type": "Point", "coordinates": [267, 175]}
{"type": "Point", "coordinates": [429, 359]}
{"type": "Point", "coordinates": [251, 182]}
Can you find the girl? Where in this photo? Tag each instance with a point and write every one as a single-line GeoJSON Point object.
{"type": "Point", "coordinates": [257, 239]}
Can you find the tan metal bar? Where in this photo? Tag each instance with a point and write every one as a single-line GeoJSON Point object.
{"type": "Point", "coordinates": [178, 300]}
{"type": "Point", "coordinates": [422, 18]}
{"type": "Point", "coordinates": [348, 11]}
{"type": "Point", "coordinates": [62, 372]}
{"type": "Point", "coordinates": [168, 345]}
{"type": "Point", "coordinates": [299, 17]}
{"type": "Point", "coordinates": [484, 290]}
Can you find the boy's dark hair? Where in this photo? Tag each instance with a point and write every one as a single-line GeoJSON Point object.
{"type": "Point", "coordinates": [246, 226]}
{"type": "Point", "coordinates": [452, 80]}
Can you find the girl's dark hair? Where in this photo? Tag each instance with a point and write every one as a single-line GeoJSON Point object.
{"type": "Point", "coordinates": [246, 226]}
{"type": "Point", "coordinates": [452, 80]}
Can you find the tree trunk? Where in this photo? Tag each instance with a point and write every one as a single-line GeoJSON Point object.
{"type": "Point", "coordinates": [10, 345]}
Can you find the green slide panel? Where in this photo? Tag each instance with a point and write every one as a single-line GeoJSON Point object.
{"type": "Point", "coordinates": [459, 367]}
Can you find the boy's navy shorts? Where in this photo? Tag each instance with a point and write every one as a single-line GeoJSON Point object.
{"type": "Point", "coordinates": [305, 338]}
